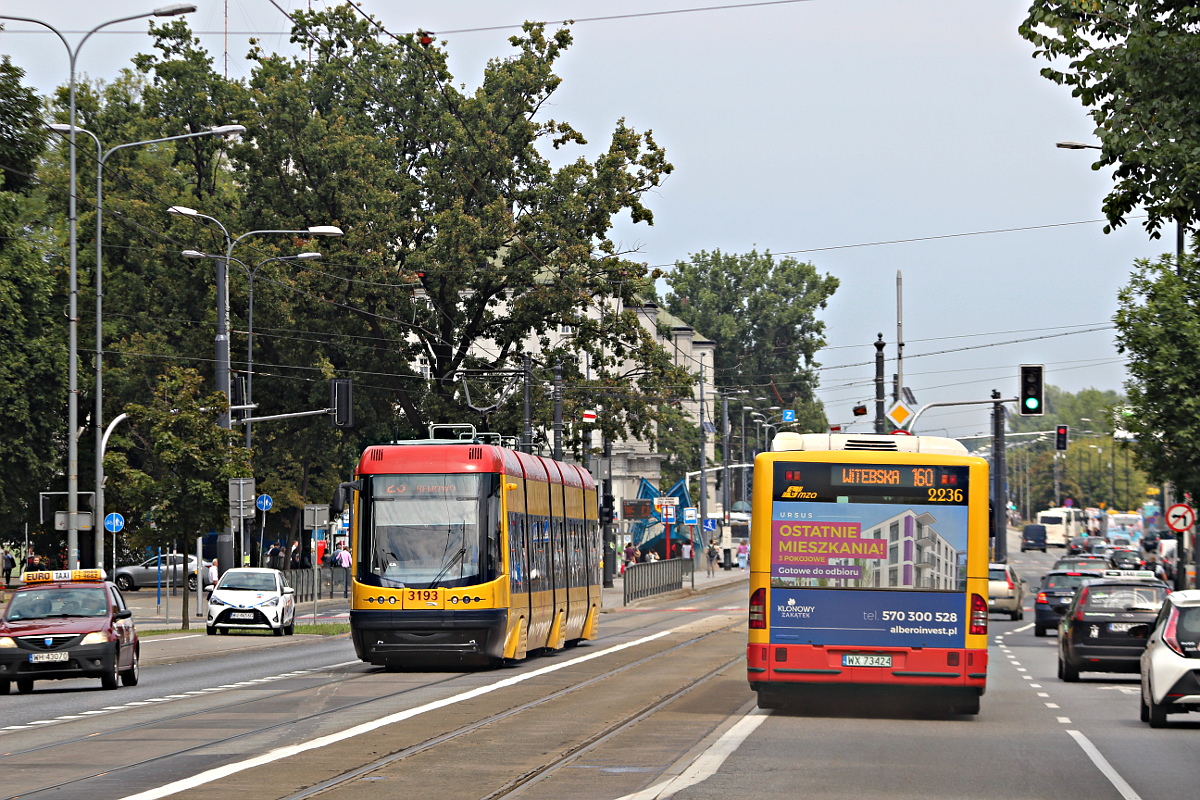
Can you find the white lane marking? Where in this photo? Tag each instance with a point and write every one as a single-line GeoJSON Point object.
{"type": "Point", "coordinates": [139, 703]}
{"type": "Point", "coordinates": [156, 639]}
{"type": "Point", "coordinates": [1065, 720]}
{"type": "Point", "coordinates": [1022, 628]}
{"type": "Point", "coordinates": [708, 762]}
{"type": "Point", "coordinates": [1027, 678]}
{"type": "Point", "coordinates": [1020, 669]}
{"type": "Point", "coordinates": [280, 753]}
{"type": "Point", "coordinates": [1042, 694]}
{"type": "Point", "coordinates": [1051, 705]}
{"type": "Point", "coordinates": [1102, 764]}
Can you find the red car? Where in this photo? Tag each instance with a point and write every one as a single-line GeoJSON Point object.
{"type": "Point", "coordinates": [67, 624]}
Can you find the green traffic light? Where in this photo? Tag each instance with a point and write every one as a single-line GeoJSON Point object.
{"type": "Point", "coordinates": [1031, 403]}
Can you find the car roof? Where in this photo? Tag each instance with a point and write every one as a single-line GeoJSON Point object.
{"type": "Point", "coordinates": [1186, 598]}
{"type": "Point", "coordinates": [998, 566]}
{"type": "Point", "coordinates": [252, 569]}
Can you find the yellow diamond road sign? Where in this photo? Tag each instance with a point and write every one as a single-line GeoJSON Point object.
{"type": "Point", "coordinates": [899, 414]}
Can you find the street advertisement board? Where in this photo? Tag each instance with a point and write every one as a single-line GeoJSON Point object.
{"type": "Point", "coordinates": [868, 555]}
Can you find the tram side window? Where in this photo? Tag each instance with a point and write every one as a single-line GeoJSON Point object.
{"type": "Point", "coordinates": [539, 559]}
{"type": "Point", "coordinates": [516, 553]}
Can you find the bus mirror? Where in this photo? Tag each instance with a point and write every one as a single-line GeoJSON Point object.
{"type": "Point", "coordinates": [338, 504]}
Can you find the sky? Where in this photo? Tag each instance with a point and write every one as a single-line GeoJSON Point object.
{"type": "Point", "coordinates": [873, 138]}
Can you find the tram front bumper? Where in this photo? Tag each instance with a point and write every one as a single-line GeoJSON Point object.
{"type": "Point", "coordinates": [397, 637]}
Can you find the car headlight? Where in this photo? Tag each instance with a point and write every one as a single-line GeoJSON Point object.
{"type": "Point", "coordinates": [6, 641]}
{"type": "Point", "coordinates": [96, 637]}
{"type": "Point", "coordinates": [216, 601]}
{"type": "Point", "coordinates": [274, 601]}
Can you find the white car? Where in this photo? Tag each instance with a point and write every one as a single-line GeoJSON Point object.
{"type": "Point", "coordinates": [252, 598]}
{"type": "Point", "coordinates": [1171, 659]}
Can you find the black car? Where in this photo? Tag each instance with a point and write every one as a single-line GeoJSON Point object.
{"type": "Point", "coordinates": [1093, 635]}
{"type": "Point", "coordinates": [1127, 559]}
{"type": "Point", "coordinates": [1055, 595]}
{"type": "Point", "coordinates": [1033, 538]}
{"type": "Point", "coordinates": [1077, 545]}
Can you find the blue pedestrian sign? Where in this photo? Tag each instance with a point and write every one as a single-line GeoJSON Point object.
{"type": "Point", "coordinates": [789, 415]}
{"type": "Point", "coordinates": [264, 502]}
{"type": "Point", "coordinates": [114, 522]}
{"type": "Point", "coordinates": [710, 526]}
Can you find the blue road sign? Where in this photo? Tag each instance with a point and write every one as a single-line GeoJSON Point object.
{"type": "Point", "coordinates": [789, 415]}
{"type": "Point", "coordinates": [114, 522]}
{"type": "Point", "coordinates": [264, 502]}
{"type": "Point", "coordinates": [710, 526]}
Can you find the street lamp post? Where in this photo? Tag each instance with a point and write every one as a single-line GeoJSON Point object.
{"type": "Point", "coordinates": [98, 391]}
{"type": "Point", "coordinates": [251, 273]}
{"type": "Point", "coordinates": [225, 539]}
{"type": "Point", "coordinates": [744, 469]}
{"type": "Point", "coordinates": [73, 275]}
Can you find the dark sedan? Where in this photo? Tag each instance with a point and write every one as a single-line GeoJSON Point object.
{"type": "Point", "coordinates": [1094, 633]}
{"type": "Point", "coordinates": [1054, 596]}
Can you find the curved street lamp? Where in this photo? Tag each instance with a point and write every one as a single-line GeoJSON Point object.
{"type": "Point", "coordinates": [98, 413]}
{"type": "Point", "coordinates": [225, 539]}
{"type": "Point", "coordinates": [73, 275]}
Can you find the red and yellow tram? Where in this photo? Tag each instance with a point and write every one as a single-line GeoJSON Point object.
{"type": "Point", "coordinates": [466, 552]}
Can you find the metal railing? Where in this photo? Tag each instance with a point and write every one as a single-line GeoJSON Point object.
{"type": "Point", "coordinates": [302, 581]}
{"type": "Point", "coordinates": [656, 577]}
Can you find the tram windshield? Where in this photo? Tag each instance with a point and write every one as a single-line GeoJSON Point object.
{"type": "Point", "coordinates": [429, 531]}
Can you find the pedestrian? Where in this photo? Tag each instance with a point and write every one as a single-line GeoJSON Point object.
{"type": "Point", "coordinates": [213, 572]}
{"type": "Point", "coordinates": [273, 555]}
{"type": "Point", "coordinates": [743, 555]}
{"type": "Point", "coordinates": [9, 564]}
{"type": "Point", "coordinates": [343, 560]}
{"type": "Point", "coordinates": [293, 561]}
{"type": "Point", "coordinates": [686, 550]}
{"type": "Point", "coordinates": [711, 557]}
{"type": "Point", "coordinates": [631, 555]}
{"type": "Point", "coordinates": [32, 562]}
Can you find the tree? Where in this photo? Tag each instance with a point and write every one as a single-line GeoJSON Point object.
{"type": "Point", "coordinates": [1133, 65]}
{"type": "Point", "coordinates": [1158, 328]}
{"type": "Point", "coordinates": [762, 315]}
{"type": "Point", "coordinates": [33, 362]}
{"type": "Point", "coordinates": [1087, 410]}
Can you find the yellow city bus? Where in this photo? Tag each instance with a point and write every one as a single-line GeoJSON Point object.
{"type": "Point", "coordinates": [869, 569]}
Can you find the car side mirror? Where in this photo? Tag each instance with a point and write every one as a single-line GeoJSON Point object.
{"type": "Point", "coordinates": [124, 613]}
{"type": "Point", "coordinates": [289, 590]}
{"type": "Point", "coordinates": [1140, 631]}
{"type": "Point", "coordinates": [208, 587]}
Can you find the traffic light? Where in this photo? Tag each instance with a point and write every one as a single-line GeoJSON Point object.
{"type": "Point", "coordinates": [341, 402]}
{"type": "Point", "coordinates": [606, 509]}
{"type": "Point", "coordinates": [1032, 395]}
{"type": "Point", "coordinates": [237, 397]}
{"type": "Point", "coordinates": [860, 410]}
{"type": "Point", "coordinates": [1060, 437]}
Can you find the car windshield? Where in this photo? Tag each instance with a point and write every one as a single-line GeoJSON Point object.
{"type": "Point", "coordinates": [46, 603]}
{"type": "Point", "coordinates": [1064, 582]}
{"type": "Point", "coordinates": [1125, 598]}
{"type": "Point", "coordinates": [248, 581]}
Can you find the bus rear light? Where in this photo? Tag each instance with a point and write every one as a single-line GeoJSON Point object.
{"type": "Point", "coordinates": [979, 615]}
{"type": "Point", "coordinates": [780, 654]}
{"type": "Point", "coordinates": [952, 659]}
{"type": "Point", "coordinates": [758, 610]}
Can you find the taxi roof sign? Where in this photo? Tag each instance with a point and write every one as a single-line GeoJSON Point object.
{"type": "Point", "coordinates": [64, 575]}
{"type": "Point", "coordinates": [1141, 574]}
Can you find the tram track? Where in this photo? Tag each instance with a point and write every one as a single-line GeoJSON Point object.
{"type": "Point", "coordinates": [309, 719]}
{"type": "Point", "coordinates": [579, 750]}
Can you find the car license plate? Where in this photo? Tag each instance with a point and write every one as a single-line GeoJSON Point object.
{"type": "Point", "coordinates": [866, 661]}
{"type": "Point", "coordinates": [39, 658]}
{"type": "Point", "coordinates": [241, 615]}
{"type": "Point", "coordinates": [1120, 627]}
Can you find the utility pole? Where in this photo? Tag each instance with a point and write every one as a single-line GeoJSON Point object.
{"type": "Point", "coordinates": [608, 535]}
{"type": "Point", "coordinates": [999, 498]}
{"type": "Point", "coordinates": [725, 496]}
{"type": "Point", "coordinates": [879, 410]}
{"type": "Point", "coordinates": [527, 428]}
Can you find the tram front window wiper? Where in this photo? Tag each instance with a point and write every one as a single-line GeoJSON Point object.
{"type": "Point", "coordinates": [462, 551]}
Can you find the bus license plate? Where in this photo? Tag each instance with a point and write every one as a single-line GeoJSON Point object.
{"type": "Point", "coordinates": [39, 658]}
{"type": "Point", "coordinates": [866, 661]}
{"type": "Point", "coordinates": [241, 615]}
{"type": "Point", "coordinates": [1120, 627]}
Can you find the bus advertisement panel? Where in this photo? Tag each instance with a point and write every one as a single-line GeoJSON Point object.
{"type": "Point", "coordinates": [869, 568]}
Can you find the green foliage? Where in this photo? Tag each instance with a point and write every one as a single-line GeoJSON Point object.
{"type": "Point", "coordinates": [1087, 410]}
{"type": "Point", "coordinates": [762, 315]}
{"type": "Point", "coordinates": [33, 364]}
{"type": "Point", "coordinates": [1133, 65]}
{"type": "Point", "coordinates": [1158, 328]}
{"type": "Point", "coordinates": [174, 464]}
